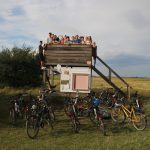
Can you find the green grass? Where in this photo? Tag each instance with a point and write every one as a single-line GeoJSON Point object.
{"type": "Point", "coordinates": [62, 137]}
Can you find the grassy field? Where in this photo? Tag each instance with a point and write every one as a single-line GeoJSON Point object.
{"type": "Point", "coordinates": [62, 137]}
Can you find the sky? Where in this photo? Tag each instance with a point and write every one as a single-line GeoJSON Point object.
{"type": "Point", "coordinates": [121, 28]}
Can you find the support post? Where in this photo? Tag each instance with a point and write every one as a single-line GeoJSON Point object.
{"type": "Point", "coordinates": [128, 92]}
{"type": "Point", "coordinates": [52, 75]}
{"type": "Point", "coordinates": [109, 75]}
{"type": "Point", "coordinates": [44, 78]}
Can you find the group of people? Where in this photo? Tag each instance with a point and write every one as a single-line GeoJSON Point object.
{"type": "Point", "coordinates": [54, 39]}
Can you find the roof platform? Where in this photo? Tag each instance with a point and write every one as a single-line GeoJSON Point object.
{"type": "Point", "coordinates": [73, 55]}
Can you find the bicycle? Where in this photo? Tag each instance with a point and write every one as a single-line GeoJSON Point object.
{"type": "Point", "coordinates": [40, 114]}
{"type": "Point", "coordinates": [134, 113]}
{"type": "Point", "coordinates": [96, 114]}
{"type": "Point", "coordinates": [18, 107]}
{"type": "Point", "coordinates": [83, 106]}
{"type": "Point", "coordinates": [105, 96]}
{"type": "Point", "coordinates": [70, 111]}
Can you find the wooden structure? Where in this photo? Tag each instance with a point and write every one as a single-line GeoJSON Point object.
{"type": "Point", "coordinates": [68, 55]}
{"type": "Point", "coordinates": [81, 56]}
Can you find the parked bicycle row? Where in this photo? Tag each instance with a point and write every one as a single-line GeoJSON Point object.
{"type": "Point", "coordinates": [107, 104]}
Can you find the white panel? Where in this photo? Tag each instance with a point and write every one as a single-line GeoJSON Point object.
{"type": "Point", "coordinates": [67, 78]}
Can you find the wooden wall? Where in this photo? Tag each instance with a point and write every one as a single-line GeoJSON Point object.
{"type": "Point", "coordinates": [70, 55]}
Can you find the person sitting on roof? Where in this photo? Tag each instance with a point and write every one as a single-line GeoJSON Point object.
{"type": "Point", "coordinates": [56, 39]}
{"type": "Point", "coordinates": [77, 40]}
{"type": "Point", "coordinates": [67, 40]}
{"type": "Point", "coordinates": [82, 40]}
{"type": "Point", "coordinates": [72, 39]}
{"type": "Point", "coordinates": [61, 39]}
{"type": "Point", "coordinates": [88, 40]}
{"type": "Point", "coordinates": [49, 39]}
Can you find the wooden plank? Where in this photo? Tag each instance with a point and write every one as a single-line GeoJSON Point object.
{"type": "Point", "coordinates": [68, 45]}
{"type": "Point", "coordinates": [66, 49]}
{"type": "Point", "coordinates": [68, 55]}
{"type": "Point", "coordinates": [69, 49]}
{"type": "Point", "coordinates": [66, 64]}
{"type": "Point", "coordinates": [65, 52]}
{"type": "Point", "coordinates": [76, 58]}
{"type": "Point", "coordinates": [75, 51]}
{"type": "Point", "coordinates": [67, 60]}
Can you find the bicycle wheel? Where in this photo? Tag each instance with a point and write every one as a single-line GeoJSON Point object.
{"type": "Point", "coordinates": [101, 125]}
{"type": "Point", "coordinates": [92, 116]}
{"type": "Point", "coordinates": [12, 115]}
{"type": "Point", "coordinates": [32, 127]}
{"type": "Point", "coordinates": [139, 121]}
{"type": "Point", "coordinates": [51, 113]}
{"type": "Point", "coordinates": [68, 110]}
{"type": "Point", "coordinates": [118, 115]}
{"type": "Point", "coordinates": [50, 119]}
{"type": "Point", "coordinates": [75, 124]}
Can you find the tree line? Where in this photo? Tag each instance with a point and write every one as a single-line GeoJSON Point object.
{"type": "Point", "coordinates": [19, 67]}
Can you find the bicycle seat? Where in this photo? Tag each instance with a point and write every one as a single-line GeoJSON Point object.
{"type": "Point", "coordinates": [44, 91]}
{"type": "Point", "coordinates": [117, 105]}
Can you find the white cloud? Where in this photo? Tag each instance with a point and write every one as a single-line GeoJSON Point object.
{"type": "Point", "coordinates": [118, 27]}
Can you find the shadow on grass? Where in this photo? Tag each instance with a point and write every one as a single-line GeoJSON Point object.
{"type": "Point", "coordinates": [4, 110]}
{"type": "Point", "coordinates": [62, 125]}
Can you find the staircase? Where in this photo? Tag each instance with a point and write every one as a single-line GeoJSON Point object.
{"type": "Point", "coordinates": [108, 78]}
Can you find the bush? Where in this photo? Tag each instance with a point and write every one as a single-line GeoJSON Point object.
{"type": "Point", "coordinates": [19, 67]}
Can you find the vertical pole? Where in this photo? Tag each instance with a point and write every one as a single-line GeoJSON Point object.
{"type": "Point", "coordinates": [44, 78]}
{"type": "Point", "coordinates": [91, 74]}
{"type": "Point", "coordinates": [109, 74]}
{"type": "Point", "coordinates": [90, 80]}
{"type": "Point", "coordinates": [128, 92]}
{"type": "Point", "coordinates": [52, 77]}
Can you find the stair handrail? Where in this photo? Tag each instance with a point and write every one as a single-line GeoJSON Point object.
{"type": "Point", "coordinates": [113, 71]}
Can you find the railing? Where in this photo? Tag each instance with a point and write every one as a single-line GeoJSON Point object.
{"type": "Point", "coordinates": [111, 71]}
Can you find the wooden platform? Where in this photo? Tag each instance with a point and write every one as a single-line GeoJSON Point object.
{"type": "Point", "coordinates": [68, 55]}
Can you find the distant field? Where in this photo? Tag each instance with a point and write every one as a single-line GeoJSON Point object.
{"type": "Point", "coordinates": [62, 138]}
{"type": "Point", "coordinates": [142, 85]}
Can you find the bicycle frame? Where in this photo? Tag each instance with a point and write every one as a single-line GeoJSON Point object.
{"type": "Point", "coordinates": [129, 113]}
{"type": "Point", "coordinates": [72, 110]}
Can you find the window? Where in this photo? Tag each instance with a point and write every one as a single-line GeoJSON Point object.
{"type": "Point", "coordinates": [80, 82]}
